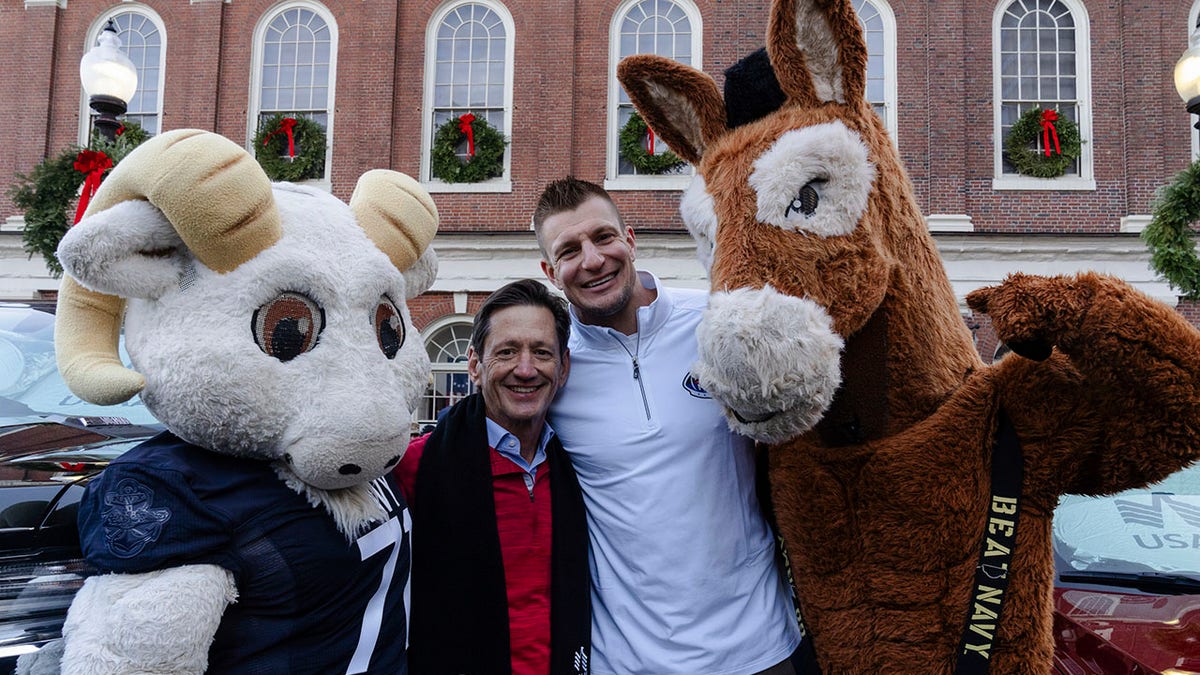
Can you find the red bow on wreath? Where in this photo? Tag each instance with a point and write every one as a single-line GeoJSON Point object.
{"type": "Point", "coordinates": [649, 141]}
{"type": "Point", "coordinates": [285, 125]}
{"type": "Point", "coordinates": [1049, 117]}
{"type": "Point", "coordinates": [464, 125]}
{"type": "Point", "coordinates": [93, 164]}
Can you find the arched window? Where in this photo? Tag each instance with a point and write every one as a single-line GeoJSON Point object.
{"type": "Point", "coordinates": [468, 65]}
{"type": "Point", "coordinates": [670, 28]}
{"type": "Point", "coordinates": [144, 40]}
{"type": "Point", "coordinates": [879, 30]}
{"type": "Point", "coordinates": [295, 59]}
{"type": "Point", "coordinates": [447, 347]}
{"type": "Point", "coordinates": [1042, 61]}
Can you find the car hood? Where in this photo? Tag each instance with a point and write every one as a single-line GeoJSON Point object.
{"type": "Point", "coordinates": [1112, 631]}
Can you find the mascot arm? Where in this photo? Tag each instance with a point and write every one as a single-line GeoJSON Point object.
{"type": "Point", "coordinates": [157, 622]}
{"type": "Point", "coordinates": [1115, 400]}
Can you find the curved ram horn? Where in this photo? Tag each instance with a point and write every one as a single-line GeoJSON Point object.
{"type": "Point", "coordinates": [396, 213]}
{"type": "Point", "coordinates": [219, 200]}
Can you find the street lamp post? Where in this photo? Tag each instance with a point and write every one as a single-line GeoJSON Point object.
{"type": "Point", "coordinates": [109, 78]}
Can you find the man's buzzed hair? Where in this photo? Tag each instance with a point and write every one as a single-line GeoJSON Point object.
{"type": "Point", "coordinates": [566, 194]}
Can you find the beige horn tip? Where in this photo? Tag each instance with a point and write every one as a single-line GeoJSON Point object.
{"type": "Point", "coordinates": [397, 214]}
{"type": "Point", "coordinates": [87, 326]}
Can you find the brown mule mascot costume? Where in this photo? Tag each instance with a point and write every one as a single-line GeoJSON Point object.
{"type": "Point", "coordinates": [833, 335]}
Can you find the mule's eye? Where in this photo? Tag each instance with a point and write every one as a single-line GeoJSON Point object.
{"type": "Point", "coordinates": [807, 200]}
{"type": "Point", "coordinates": [288, 325]}
{"type": "Point", "coordinates": [389, 327]}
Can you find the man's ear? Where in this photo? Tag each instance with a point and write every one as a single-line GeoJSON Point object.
{"type": "Point", "coordinates": [629, 236]}
{"type": "Point", "coordinates": [473, 365]}
{"type": "Point", "coordinates": [550, 273]}
{"type": "Point", "coordinates": [566, 368]}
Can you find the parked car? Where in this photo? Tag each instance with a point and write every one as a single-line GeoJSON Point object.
{"type": "Point", "coordinates": [1127, 597]}
{"type": "Point", "coordinates": [51, 444]}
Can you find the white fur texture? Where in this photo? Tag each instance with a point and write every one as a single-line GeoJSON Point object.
{"type": "Point", "coordinates": [420, 277]}
{"type": "Point", "coordinates": [341, 403]}
{"type": "Point", "coordinates": [830, 157]}
{"type": "Point", "coordinates": [45, 661]}
{"type": "Point", "coordinates": [700, 217]}
{"type": "Point", "coordinates": [155, 623]}
{"type": "Point", "coordinates": [816, 39]}
{"type": "Point", "coordinates": [770, 358]}
{"type": "Point", "coordinates": [130, 250]}
{"type": "Point", "coordinates": [353, 508]}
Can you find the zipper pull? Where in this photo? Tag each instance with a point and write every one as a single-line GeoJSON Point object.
{"type": "Point", "coordinates": [637, 370]}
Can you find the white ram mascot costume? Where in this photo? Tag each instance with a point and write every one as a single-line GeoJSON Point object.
{"type": "Point", "coordinates": [269, 333]}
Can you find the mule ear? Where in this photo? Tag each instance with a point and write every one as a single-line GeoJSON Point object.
{"type": "Point", "coordinates": [681, 104]}
{"type": "Point", "coordinates": [817, 51]}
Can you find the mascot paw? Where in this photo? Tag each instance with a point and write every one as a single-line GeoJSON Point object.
{"type": "Point", "coordinates": [1029, 312]}
{"type": "Point", "coordinates": [45, 661]}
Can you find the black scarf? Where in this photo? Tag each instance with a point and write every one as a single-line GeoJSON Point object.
{"type": "Point", "coordinates": [459, 602]}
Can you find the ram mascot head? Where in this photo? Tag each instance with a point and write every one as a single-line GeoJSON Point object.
{"type": "Point", "coordinates": [263, 321]}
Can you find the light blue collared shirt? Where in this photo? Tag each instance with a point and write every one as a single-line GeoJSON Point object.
{"type": "Point", "coordinates": [510, 446]}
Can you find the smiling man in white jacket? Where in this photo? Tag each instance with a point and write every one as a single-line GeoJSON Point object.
{"type": "Point", "coordinates": [683, 565]}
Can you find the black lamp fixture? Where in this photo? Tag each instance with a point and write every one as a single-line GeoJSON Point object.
{"type": "Point", "coordinates": [109, 78]}
{"type": "Point", "coordinates": [1187, 73]}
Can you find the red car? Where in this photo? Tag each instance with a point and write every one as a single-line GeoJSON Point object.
{"type": "Point", "coordinates": [1127, 594]}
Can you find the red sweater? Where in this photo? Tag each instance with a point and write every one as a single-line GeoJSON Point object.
{"type": "Point", "coordinates": [523, 520]}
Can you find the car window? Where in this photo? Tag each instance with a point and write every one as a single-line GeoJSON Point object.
{"type": "Point", "coordinates": [1152, 529]}
{"type": "Point", "coordinates": [29, 381]}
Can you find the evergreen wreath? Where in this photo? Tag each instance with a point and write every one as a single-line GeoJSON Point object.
{"type": "Point", "coordinates": [1170, 236]}
{"type": "Point", "coordinates": [633, 149]}
{"type": "Point", "coordinates": [46, 192]}
{"type": "Point", "coordinates": [1021, 147]}
{"type": "Point", "coordinates": [271, 148]}
{"type": "Point", "coordinates": [488, 161]}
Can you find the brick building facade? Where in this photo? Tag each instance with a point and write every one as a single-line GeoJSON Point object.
{"type": "Point", "coordinates": [939, 66]}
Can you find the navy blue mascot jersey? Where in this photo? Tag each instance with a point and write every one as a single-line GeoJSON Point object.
{"type": "Point", "coordinates": [308, 601]}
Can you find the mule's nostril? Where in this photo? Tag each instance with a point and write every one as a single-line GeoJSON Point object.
{"type": "Point", "coordinates": [349, 469]}
{"type": "Point", "coordinates": [391, 462]}
{"type": "Point", "coordinates": [287, 457]}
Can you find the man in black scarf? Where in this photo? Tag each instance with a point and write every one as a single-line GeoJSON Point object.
{"type": "Point", "coordinates": [500, 570]}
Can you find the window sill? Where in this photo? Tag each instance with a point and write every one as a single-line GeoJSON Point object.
{"type": "Point", "coordinates": [493, 185]}
{"type": "Point", "coordinates": [648, 183]}
{"type": "Point", "coordinates": [1047, 184]}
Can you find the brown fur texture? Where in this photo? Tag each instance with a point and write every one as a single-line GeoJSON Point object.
{"type": "Point", "coordinates": [883, 505]}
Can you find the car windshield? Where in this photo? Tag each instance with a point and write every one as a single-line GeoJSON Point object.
{"type": "Point", "coordinates": [1147, 532]}
{"type": "Point", "coordinates": [30, 386]}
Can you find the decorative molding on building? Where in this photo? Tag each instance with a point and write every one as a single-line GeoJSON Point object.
{"type": "Point", "coordinates": [460, 302]}
{"type": "Point", "coordinates": [484, 262]}
{"type": "Point", "coordinates": [22, 277]}
{"type": "Point", "coordinates": [12, 225]}
{"type": "Point", "coordinates": [61, 4]}
{"type": "Point", "coordinates": [947, 222]}
{"type": "Point", "coordinates": [1135, 223]}
{"type": "Point", "coordinates": [974, 260]}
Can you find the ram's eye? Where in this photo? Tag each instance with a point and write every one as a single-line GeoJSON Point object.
{"type": "Point", "coordinates": [288, 325]}
{"type": "Point", "coordinates": [389, 327]}
{"type": "Point", "coordinates": [807, 200]}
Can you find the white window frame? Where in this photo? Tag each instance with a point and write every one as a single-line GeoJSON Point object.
{"type": "Point", "coordinates": [443, 368]}
{"type": "Point", "coordinates": [1083, 97]}
{"type": "Point", "coordinates": [93, 34]}
{"type": "Point", "coordinates": [256, 66]}
{"type": "Point", "coordinates": [504, 182]}
{"type": "Point", "coordinates": [890, 96]}
{"type": "Point", "coordinates": [613, 180]}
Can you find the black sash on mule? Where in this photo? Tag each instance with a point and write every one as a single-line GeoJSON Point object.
{"type": "Point", "coordinates": [995, 555]}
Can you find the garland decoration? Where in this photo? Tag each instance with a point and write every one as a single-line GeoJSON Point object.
{"type": "Point", "coordinates": [1170, 236]}
{"type": "Point", "coordinates": [290, 148]}
{"type": "Point", "coordinates": [45, 193]}
{"type": "Point", "coordinates": [485, 150]}
{"type": "Point", "coordinates": [637, 146]}
{"type": "Point", "coordinates": [1061, 144]}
